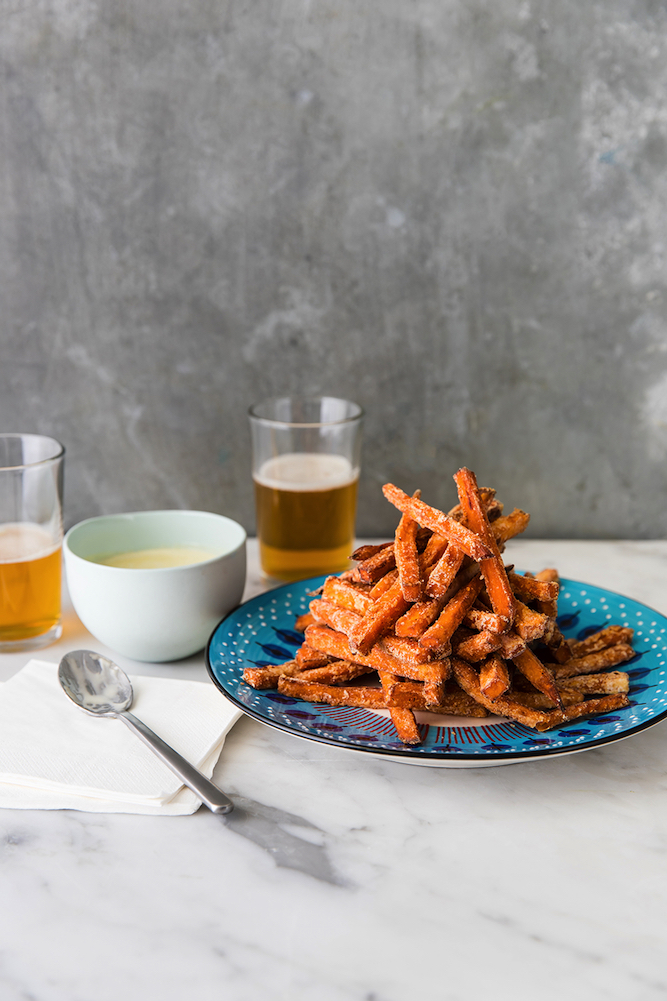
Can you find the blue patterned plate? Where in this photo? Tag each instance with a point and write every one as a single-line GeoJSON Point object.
{"type": "Point", "coordinates": [262, 632]}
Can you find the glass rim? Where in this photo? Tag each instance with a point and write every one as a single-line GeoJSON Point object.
{"type": "Point", "coordinates": [18, 435]}
{"type": "Point", "coordinates": [274, 422]}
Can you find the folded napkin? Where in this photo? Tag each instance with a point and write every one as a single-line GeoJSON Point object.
{"type": "Point", "coordinates": [54, 756]}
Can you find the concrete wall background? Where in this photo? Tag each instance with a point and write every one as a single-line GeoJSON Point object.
{"type": "Point", "coordinates": [451, 212]}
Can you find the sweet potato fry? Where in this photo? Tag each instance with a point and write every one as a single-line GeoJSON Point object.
{"type": "Point", "coordinates": [419, 617]}
{"type": "Point", "coordinates": [336, 672]}
{"type": "Point", "coordinates": [361, 696]}
{"type": "Point", "coordinates": [422, 614]}
{"type": "Point", "coordinates": [494, 679]}
{"type": "Point", "coordinates": [383, 584]}
{"type": "Point", "coordinates": [538, 674]}
{"type": "Point", "coordinates": [365, 552]}
{"type": "Point", "coordinates": [509, 525]}
{"type": "Point", "coordinates": [381, 562]}
{"type": "Point", "coordinates": [303, 621]}
{"type": "Point", "coordinates": [407, 695]}
{"type": "Point", "coordinates": [573, 690]}
{"type": "Point", "coordinates": [494, 510]}
{"type": "Point", "coordinates": [503, 706]}
{"type": "Point", "coordinates": [371, 698]}
{"type": "Point", "coordinates": [493, 570]}
{"type": "Point", "coordinates": [348, 595]}
{"type": "Point", "coordinates": [536, 700]}
{"type": "Point", "coordinates": [405, 649]}
{"type": "Point", "coordinates": [389, 682]}
{"type": "Point", "coordinates": [456, 703]}
{"type": "Point", "coordinates": [554, 639]}
{"type": "Point", "coordinates": [451, 617]}
{"type": "Point", "coordinates": [609, 657]}
{"type": "Point", "coordinates": [610, 636]}
{"type": "Point", "coordinates": [476, 647]}
{"type": "Point", "coordinates": [609, 683]}
{"type": "Point", "coordinates": [267, 677]}
{"type": "Point", "coordinates": [435, 547]}
{"type": "Point", "coordinates": [491, 505]}
{"type": "Point", "coordinates": [434, 682]}
{"type": "Point", "coordinates": [406, 725]}
{"type": "Point", "coordinates": [480, 618]}
{"type": "Point", "coordinates": [397, 615]}
{"type": "Point", "coordinates": [307, 658]}
{"type": "Point", "coordinates": [549, 607]}
{"type": "Point", "coordinates": [379, 619]}
{"type": "Point", "coordinates": [444, 572]}
{"type": "Point", "coordinates": [511, 645]}
{"type": "Point", "coordinates": [336, 645]}
{"type": "Point", "coordinates": [407, 558]}
{"type": "Point", "coordinates": [438, 522]}
{"type": "Point", "coordinates": [375, 567]}
{"type": "Point", "coordinates": [342, 619]}
{"type": "Point", "coordinates": [605, 704]}
{"type": "Point", "coordinates": [548, 574]}
{"type": "Point", "coordinates": [530, 625]}
{"type": "Point", "coordinates": [530, 588]}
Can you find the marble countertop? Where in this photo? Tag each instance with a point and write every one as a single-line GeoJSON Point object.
{"type": "Point", "coordinates": [341, 877]}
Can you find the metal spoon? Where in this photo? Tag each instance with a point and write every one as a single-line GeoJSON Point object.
{"type": "Point", "coordinates": [99, 686]}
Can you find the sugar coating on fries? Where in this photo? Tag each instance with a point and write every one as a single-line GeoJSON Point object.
{"type": "Point", "coordinates": [433, 621]}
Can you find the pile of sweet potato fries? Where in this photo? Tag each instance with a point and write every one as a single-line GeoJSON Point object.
{"type": "Point", "coordinates": [435, 621]}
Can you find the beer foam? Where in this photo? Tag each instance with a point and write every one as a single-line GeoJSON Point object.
{"type": "Point", "coordinates": [303, 471]}
{"type": "Point", "coordinates": [21, 541]}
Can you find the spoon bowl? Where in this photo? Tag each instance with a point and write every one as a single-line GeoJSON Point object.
{"type": "Point", "coordinates": [95, 683]}
{"type": "Point", "coordinates": [98, 686]}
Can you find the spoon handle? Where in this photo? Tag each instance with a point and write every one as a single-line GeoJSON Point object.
{"type": "Point", "coordinates": [209, 794]}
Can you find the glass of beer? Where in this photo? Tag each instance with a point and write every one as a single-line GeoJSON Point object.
{"type": "Point", "coordinates": [31, 531]}
{"type": "Point", "coordinates": [306, 452]}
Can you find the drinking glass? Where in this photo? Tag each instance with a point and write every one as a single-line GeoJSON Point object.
{"type": "Point", "coordinates": [305, 466]}
{"type": "Point", "coordinates": [31, 490]}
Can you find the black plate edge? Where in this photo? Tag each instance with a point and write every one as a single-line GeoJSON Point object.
{"type": "Point", "coordinates": [509, 756]}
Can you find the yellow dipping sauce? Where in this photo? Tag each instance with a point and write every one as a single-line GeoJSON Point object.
{"type": "Point", "coordinates": [157, 559]}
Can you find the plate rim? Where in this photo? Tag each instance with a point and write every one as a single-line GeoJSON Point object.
{"type": "Point", "coordinates": [425, 757]}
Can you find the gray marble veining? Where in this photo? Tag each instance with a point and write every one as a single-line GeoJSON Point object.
{"type": "Point", "coordinates": [342, 879]}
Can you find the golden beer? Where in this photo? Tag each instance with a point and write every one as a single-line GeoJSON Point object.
{"type": "Point", "coordinates": [306, 504]}
{"type": "Point", "coordinates": [30, 571]}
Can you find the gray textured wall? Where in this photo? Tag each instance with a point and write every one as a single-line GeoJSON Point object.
{"type": "Point", "coordinates": [452, 212]}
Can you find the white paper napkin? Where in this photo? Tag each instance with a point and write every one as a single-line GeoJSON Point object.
{"type": "Point", "coordinates": [54, 756]}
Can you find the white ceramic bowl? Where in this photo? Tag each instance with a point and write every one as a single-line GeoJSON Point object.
{"type": "Point", "coordinates": [162, 614]}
